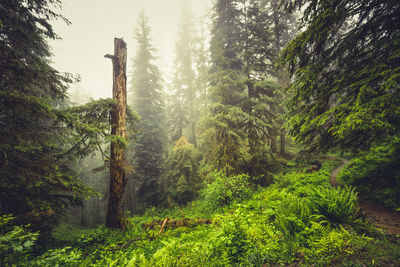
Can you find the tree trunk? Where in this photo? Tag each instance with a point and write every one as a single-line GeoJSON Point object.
{"type": "Point", "coordinates": [115, 216]}
{"type": "Point", "coordinates": [273, 143]}
{"type": "Point", "coordinates": [283, 143]}
{"type": "Point", "coordinates": [193, 132]}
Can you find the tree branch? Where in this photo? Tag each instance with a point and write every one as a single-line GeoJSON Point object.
{"type": "Point", "coordinates": [104, 156]}
{"type": "Point", "coordinates": [73, 148]}
{"type": "Point", "coordinates": [110, 57]}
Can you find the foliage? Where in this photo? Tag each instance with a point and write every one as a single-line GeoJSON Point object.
{"type": "Point", "coordinates": [183, 106]}
{"type": "Point", "coordinates": [90, 127]}
{"type": "Point", "coordinates": [16, 242]}
{"type": "Point", "coordinates": [149, 143]}
{"type": "Point", "coordinates": [245, 114]}
{"type": "Point", "coordinates": [338, 206]}
{"type": "Point", "coordinates": [225, 189]}
{"type": "Point", "coordinates": [376, 172]}
{"type": "Point", "coordinates": [266, 29]}
{"type": "Point", "coordinates": [183, 176]}
{"type": "Point", "coordinates": [224, 137]}
{"type": "Point", "coordinates": [345, 94]}
{"type": "Point", "coordinates": [66, 256]}
{"type": "Point", "coordinates": [346, 64]}
{"type": "Point", "coordinates": [35, 174]}
{"type": "Point", "coordinates": [283, 224]}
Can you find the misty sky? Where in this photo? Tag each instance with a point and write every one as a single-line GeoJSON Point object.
{"type": "Point", "coordinates": [95, 23]}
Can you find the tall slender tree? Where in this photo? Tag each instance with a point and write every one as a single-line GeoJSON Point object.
{"type": "Point", "coordinates": [224, 135]}
{"type": "Point", "coordinates": [149, 144]}
{"type": "Point", "coordinates": [115, 216]}
{"type": "Point", "coordinates": [34, 174]}
{"type": "Point", "coordinates": [282, 27]}
{"type": "Point", "coordinates": [247, 36]}
{"type": "Point", "coordinates": [182, 109]}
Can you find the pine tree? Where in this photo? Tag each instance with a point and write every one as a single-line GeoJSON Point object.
{"type": "Point", "coordinates": [34, 173]}
{"type": "Point", "coordinates": [346, 63]}
{"type": "Point", "coordinates": [247, 37]}
{"type": "Point", "coordinates": [182, 115]}
{"type": "Point", "coordinates": [260, 104]}
{"type": "Point", "coordinates": [266, 29]}
{"type": "Point", "coordinates": [146, 97]}
{"type": "Point", "coordinates": [183, 175]}
{"type": "Point", "coordinates": [274, 26]}
{"type": "Point", "coordinates": [202, 63]}
{"type": "Point", "coordinates": [224, 136]}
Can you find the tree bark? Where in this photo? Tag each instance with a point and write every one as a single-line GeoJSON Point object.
{"type": "Point", "coordinates": [283, 143]}
{"type": "Point", "coordinates": [115, 216]}
{"type": "Point", "coordinates": [273, 143]}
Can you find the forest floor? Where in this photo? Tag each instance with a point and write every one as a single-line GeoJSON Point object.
{"type": "Point", "coordinates": [299, 220]}
{"type": "Point", "coordinates": [377, 214]}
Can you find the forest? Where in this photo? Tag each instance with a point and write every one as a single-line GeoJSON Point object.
{"type": "Point", "coordinates": [273, 141]}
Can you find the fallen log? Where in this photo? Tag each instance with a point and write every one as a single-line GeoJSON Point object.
{"type": "Point", "coordinates": [167, 223]}
{"type": "Point", "coordinates": [162, 227]}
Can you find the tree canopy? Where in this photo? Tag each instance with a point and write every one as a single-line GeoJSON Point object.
{"type": "Point", "coordinates": [346, 66]}
{"type": "Point", "coordinates": [34, 173]}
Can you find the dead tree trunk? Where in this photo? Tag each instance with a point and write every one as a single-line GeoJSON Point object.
{"type": "Point", "coordinates": [115, 216]}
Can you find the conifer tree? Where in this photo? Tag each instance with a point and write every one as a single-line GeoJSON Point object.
{"type": "Point", "coordinates": [183, 176]}
{"type": "Point", "coordinates": [182, 115]}
{"type": "Point", "coordinates": [246, 39]}
{"type": "Point", "coordinates": [268, 28]}
{"type": "Point", "coordinates": [34, 173]}
{"type": "Point", "coordinates": [224, 136]}
{"type": "Point", "coordinates": [346, 63]}
{"type": "Point", "coordinates": [149, 144]}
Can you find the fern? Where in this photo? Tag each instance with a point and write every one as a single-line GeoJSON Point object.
{"type": "Point", "coordinates": [338, 205]}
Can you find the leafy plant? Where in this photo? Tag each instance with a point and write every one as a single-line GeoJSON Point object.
{"type": "Point", "coordinates": [223, 190]}
{"type": "Point", "coordinates": [66, 256]}
{"type": "Point", "coordinates": [16, 242]}
{"type": "Point", "coordinates": [183, 177]}
{"type": "Point", "coordinates": [376, 172]}
{"type": "Point", "coordinates": [338, 205]}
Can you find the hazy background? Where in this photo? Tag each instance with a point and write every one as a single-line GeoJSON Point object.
{"type": "Point", "coordinates": [95, 23]}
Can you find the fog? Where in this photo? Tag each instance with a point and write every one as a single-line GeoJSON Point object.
{"type": "Point", "coordinates": [95, 23]}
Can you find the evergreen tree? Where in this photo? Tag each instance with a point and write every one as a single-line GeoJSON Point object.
{"type": "Point", "coordinates": [260, 104]}
{"type": "Point", "coordinates": [202, 63]}
{"type": "Point", "coordinates": [272, 27]}
{"type": "Point", "coordinates": [148, 146]}
{"type": "Point", "coordinates": [246, 39]}
{"type": "Point", "coordinates": [183, 175]}
{"type": "Point", "coordinates": [182, 108]}
{"type": "Point", "coordinates": [34, 173]}
{"type": "Point", "coordinates": [266, 29]}
{"type": "Point", "coordinates": [346, 63]}
{"type": "Point", "coordinates": [224, 136]}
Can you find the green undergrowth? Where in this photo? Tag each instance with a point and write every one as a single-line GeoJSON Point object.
{"type": "Point", "coordinates": [376, 173]}
{"type": "Point", "coordinates": [300, 219]}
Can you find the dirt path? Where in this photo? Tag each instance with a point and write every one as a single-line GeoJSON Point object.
{"type": "Point", "coordinates": [336, 171]}
{"type": "Point", "coordinates": [376, 214]}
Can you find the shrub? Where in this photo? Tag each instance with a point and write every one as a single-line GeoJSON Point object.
{"type": "Point", "coordinates": [292, 214]}
{"type": "Point", "coordinates": [183, 177]}
{"type": "Point", "coordinates": [376, 173]}
{"type": "Point", "coordinates": [66, 256]}
{"type": "Point", "coordinates": [223, 190]}
{"type": "Point", "coordinates": [16, 242]}
{"type": "Point", "coordinates": [338, 205]}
